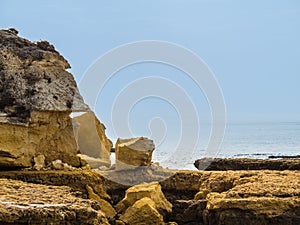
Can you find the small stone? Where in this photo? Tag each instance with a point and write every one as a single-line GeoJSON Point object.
{"type": "Point", "coordinates": [57, 165]}
{"type": "Point", "coordinates": [39, 162]}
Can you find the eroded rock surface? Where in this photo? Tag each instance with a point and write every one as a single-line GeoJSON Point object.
{"type": "Point", "coordinates": [133, 152]}
{"type": "Point", "coordinates": [34, 78]}
{"type": "Point", "coordinates": [150, 190]}
{"type": "Point", "coordinates": [36, 204]}
{"type": "Point", "coordinates": [143, 211]}
{"type": "Point", "coordinates": [247, 164]}
{"type": "Point", "coordinates": [37, 94]}
{"type": "Point", "coordinates": [144, 204]}
{"type": "Point", "coordinates": [260, 197]}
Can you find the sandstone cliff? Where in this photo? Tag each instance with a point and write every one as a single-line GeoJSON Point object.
{"type": "Point", "coordinates": [37, 94]}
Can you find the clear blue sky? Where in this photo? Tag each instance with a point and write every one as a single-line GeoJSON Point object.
{"type": "Point", "coordinates": [253, 46]}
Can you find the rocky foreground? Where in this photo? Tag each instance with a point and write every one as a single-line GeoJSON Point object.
{"type": "Point", "coordinates": [187, 197]}
{"type": "Point", "coordinates": [55, 169]}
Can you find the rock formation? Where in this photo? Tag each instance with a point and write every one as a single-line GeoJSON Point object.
{"type": "Point", "coordinates": [143, 202]}
{"type": "Point", "coordinates": [247, 164]}
{"type": "Point", "coordinates": [133, 152]}
{"type": "Point", "coordinates": [142, 211]}
{"type": "Point", "coordinates": [37, 95]}
{"type": "Point", "coordinates": [259, 197]}
{"type": "Point", "coordinates": [92, 140]}
{"type": "Point", "coordinates": [25, 203]}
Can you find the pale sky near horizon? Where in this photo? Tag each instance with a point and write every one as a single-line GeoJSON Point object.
{"type": "Point", "coordinates": [253, 47]}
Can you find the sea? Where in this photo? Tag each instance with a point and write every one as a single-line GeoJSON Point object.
{"type": "Point", "coordinates": [241, 140]}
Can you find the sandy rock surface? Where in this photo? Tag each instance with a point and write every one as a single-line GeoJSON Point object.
{"type": "Point", "coordinates": [36, 204]}
{"type": "Point", "coordinates": [133, 152]}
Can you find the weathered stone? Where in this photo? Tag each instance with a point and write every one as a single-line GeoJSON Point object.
{"type": "Point", "coordinates": [253, 210]}
{"type": "Point", "coordinates": [91, 137]}
{"type": "Point", "coordinates": [133, 152]}
{"type": "Point", "coordinates": [36, 204]}
{"type": "Point", "coordinates": [95, 163]}
{"type": "Point", "coordinates": [105, 206]}
{"type": "Point", "coordinates": [187, 211]}
{"type": "Point", "coordinates": [34, 78]}
{"type": "Point", "coordinates": [247, 164]}
{"type": "Point", "coordinates": [37, 95]}
{"type": "Point", "coordinates": [261, 197]}
{"type": "Point", "coordinates": [152, 191]}
{"type": "Point", "coordinates": [142, 212]}
{"type": "Point", "coordinates": [46, 133]}
{"type": "Point", "coordinates": [39, 162]}
{"type": "Point", "coordinates": [77, 180]}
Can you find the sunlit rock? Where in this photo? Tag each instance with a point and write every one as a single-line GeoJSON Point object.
{"type": "Point", "coordinates": [37, 94]}
{"type": "Point", "coordinates": [92, 140]}
{"type": "Point", "coordinates": [133, 152]}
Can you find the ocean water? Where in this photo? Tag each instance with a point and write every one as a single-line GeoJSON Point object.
{"type": "Point", "coordinates": [241, 140]}
{"type": "Point", "coordinates": [260, 140]}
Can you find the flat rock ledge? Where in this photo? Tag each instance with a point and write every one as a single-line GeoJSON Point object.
{"type": "Point", "coordinates": [195, 198]}
{"type": "Point", "coordinates": [247, 164]}
{"type": "Point", "coordinates": [36, 204]}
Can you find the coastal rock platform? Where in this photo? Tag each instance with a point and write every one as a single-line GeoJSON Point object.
{"type": "Point", "coordinates": [197, 197]}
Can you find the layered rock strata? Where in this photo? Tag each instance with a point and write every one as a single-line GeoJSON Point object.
{"type": "Point", "coordinates": [35, 204]}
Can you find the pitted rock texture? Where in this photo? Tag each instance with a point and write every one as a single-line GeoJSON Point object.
{"type": "Point", "coordinates": [33, 77]}
{"type": "Point", "coordinates": [36, 204]}
{"type": "Point", "coordinates": [37, 94]}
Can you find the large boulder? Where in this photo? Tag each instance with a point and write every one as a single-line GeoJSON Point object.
{"type": "Point", "coordinates": [143, 212]}
{"type": "Point", "coordinates": [37, 94]}
{"type": "Point", "coordinates": [149, 190]}
{"type": "Point", "coordinates": [92, 139]}
{"type": "Point", "coordinates": [133, 152]}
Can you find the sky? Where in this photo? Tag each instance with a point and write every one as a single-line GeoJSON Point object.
{"type": "Point", "coordinates": [252, 47]}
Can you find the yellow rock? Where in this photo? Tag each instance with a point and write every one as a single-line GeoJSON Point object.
{"type": "Point", "coordinates": [133, 152]}
{"type": "Point", "coordinates": [105, 206]}
{"type": "Point", "coordinates": [91, 137]}
{"type": "Point", "coordinates": [150, 190]}
{"type": "Point", "coordinates": [49, 134]}
{"type": "Point", "coordinates": [143, 212]}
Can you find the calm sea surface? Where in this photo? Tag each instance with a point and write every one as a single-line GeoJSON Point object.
{"type": "Point", "coordinates": [243, 140]}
